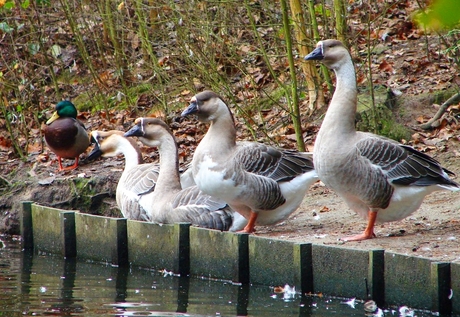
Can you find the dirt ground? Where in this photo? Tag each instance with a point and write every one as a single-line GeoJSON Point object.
{"type": "Point", "coordinates": [431, 232]}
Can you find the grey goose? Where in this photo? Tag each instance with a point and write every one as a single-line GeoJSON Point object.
{"type": "Point", "coordinates": [380, 179]}
{"type": "Point", "coordinates": [263, 183]}
{"type": "Point", "coordinates": [169, 203]}
{"type": "Point", "coordinates": [138, 179]}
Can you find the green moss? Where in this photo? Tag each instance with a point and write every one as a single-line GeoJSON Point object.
{"type": "Point", "coordinates": [90, 102]}
{"type": "Point", "coordinates": [365, 99]}
{"type": "Point", "coordinates": [80, 183]}
{"type": "Point", "coordinates": [440, 96]}
{"type": "Point", "coordinates": [383, 120]}
{"type": "Point", "coordinates": [84, 191]}
{"type": "Point", "coordinates": [384, 123]}
{"type": "Point", "coordinates": [68, 78]}
{"type": "Point", "coordinates": [394, 130]}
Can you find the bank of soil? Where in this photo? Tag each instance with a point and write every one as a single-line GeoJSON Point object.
{"type": "Point", "coordinates": [432, 232]}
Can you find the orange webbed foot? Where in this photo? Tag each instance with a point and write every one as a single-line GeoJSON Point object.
{"type": "Point", "coordinates": [368, 233]}
{"type": "Point", "coordinates": [247, 230]}
{"type": "Point", "coordinates": [250, 227]}
{"type": "Point", "coordinates": [358, 237]}
{"type": "Point", "coordinates": [68, 168]}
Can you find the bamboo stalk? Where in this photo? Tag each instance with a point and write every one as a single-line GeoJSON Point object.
{"type": "Point", "coordinates": [293, 101]}
{"type": "Point", "coordinates": [315, 91]}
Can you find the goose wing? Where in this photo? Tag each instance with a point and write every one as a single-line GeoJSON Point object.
{"type": "Point", "coordinates": [142, 179]}
{"type": "Point", "coordinates": [202, 210]}
{"type": "Point", "coordinates": [403, 165]}
{"type": "Point", "coordinates": [271, 162]}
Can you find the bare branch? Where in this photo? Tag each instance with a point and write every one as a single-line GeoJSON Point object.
{"type": "Point", "coordinates": [452, 100]}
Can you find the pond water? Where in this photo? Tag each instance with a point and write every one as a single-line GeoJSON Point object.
{"type": "Point", "coordinates": [46, 285]}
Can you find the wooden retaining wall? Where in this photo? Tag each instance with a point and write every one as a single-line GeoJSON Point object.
{"type": "Point", "coordinates": [393, 279]}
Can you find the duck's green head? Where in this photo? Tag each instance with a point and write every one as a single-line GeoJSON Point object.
{"type": "Point", "coordinates": [64, 109]}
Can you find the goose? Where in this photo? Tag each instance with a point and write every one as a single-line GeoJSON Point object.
{"type": "Point", "coordinates": [138, 179]}
{"type": "Point", "coordinates": [263, 183]}
{"type": "Point", "coordinates": [380, 179]}
{"type": "Point", "coordinates": [65, 135]}
{"type": "Point", "coordinates": [169, 203]}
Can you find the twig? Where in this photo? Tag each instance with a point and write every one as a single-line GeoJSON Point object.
{"type": "Point", "coordinates": [452, 100]}
{"type": "Point", "coordinates": [6, 181]}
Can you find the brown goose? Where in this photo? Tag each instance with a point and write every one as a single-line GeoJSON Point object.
{"type": "Point", "coordinates": [169, 203]}
{"type": "Point", "coordinates": [381, 180]}
{"type": "Point", "coordinates": [263, 183]}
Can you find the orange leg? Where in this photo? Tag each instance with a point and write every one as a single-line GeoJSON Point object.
{"type": "Point", "coordinates": [60, 163]}
{"type": "Point", "coordinates": [368, 232]}
{"type": "Point", "coordinates": [68, 168]}
{"type": "Point", "coordinates": [251, 223]}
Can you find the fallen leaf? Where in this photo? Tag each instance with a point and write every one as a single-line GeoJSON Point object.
{"type": "Point", "coordinates": [386, 67]}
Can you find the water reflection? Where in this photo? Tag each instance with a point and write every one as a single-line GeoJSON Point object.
{"type": "Point", "coordinates": [120, 284]}
{"type": "Point", "coordinates": [38, 285]}
{"type": "Point", "coordinates": [37, 290]}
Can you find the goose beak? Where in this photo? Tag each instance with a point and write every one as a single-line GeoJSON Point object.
{"type": "Point", "coordinates": [191, 109]}
{"type": "Point", "coordinates": [316, 54]}
{"type": "Point", "coordinates": [135, 131]}
{"type": "Point", "coordinates": [95, 152]}
{"type": "Point", "coordinates": [93, 138]}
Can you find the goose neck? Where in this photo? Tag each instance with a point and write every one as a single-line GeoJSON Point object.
{"type": "Point", "coordinates": [221, 134]}
{"type": "Point", "coordinates": [133, 156]}
{"type": "Point", "coordinates": [340, 116]}
{"type": "Point", "coordinates": [168, 178]}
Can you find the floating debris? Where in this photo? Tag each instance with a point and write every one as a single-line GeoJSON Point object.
{"type": "Point", "coordinates": [371, 309]}
{"type": "Point", "coordinates": [167, 273]}
{"type": "Point", "coordinates": [405, 311]}
{"type": "Point", "coordinates": [350, 302]}
{"type": "Point", "coordinates": [288, 292]}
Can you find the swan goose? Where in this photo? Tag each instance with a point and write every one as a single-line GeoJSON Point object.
{"type": "Point", "coordinates": [169, 202]}
{"type": "Point", "coordinates": [379, 179]}
{"type": "Point", "coordinates": [263, 183]}
{"type": "Point", "coordinates": [138, 179]}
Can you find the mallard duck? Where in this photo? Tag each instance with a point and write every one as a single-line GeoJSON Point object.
{"type": "Point", "coordinates": [263, 183]}
{"type": "Point", "coordinates": [138, 179]}
{"type": "Point", "coordinates": [380, 179]}
{"type": "Point", "coordinates": [169, 203]}
{"type": "Point", "coordinates": [65, 135]}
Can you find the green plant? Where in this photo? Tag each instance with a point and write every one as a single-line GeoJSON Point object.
{"type": "Point", "coordinates": [453, 50]}
{"type": "Point", "coordinates": [385, 125]}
